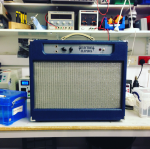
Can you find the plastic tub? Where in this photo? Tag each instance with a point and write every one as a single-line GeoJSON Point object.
{"type": "Point", "coordinates": [143, 101]}
{"type": "Point", "coordinates": [13, 106]}
{"type": "Point", "coordinates": [111, 27]}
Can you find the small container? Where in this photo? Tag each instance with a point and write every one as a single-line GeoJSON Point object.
{"type": "Point", "coordinates": [143, 101]}
{"type": "Point", "coordinates": [111, 27]}
{"type": "Point", "coordinates": [13, 106]}
{"type": "Point", "coordinates": [144, 2]}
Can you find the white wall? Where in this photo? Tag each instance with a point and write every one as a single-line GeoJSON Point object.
{"type": "Point", "coordinates": [134, 71]}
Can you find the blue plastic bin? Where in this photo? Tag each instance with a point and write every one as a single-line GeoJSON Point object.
{"type": "Point", "coordinates": [144, 2]}
{"type": "Point", "coordinates": [111, 27]}
{"type": "Point", "coordinates": [13, 106]}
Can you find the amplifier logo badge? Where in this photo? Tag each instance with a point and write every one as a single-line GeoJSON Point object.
{"type": "Point", "coordinates": [86, 48]}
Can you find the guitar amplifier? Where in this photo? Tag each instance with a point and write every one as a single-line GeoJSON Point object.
{"type": "Point", "coordinates": [77, 80]}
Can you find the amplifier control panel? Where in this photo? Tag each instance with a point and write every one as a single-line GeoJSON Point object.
{"type": "Point", "coordinates": [77, 49]}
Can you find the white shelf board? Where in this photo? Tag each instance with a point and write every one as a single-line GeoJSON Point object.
{"type": "Point", "coordinates": [44, 34]}
{"type": "Point", "coordinates": [132, 125]}
{"type": "Point", "coordinates": [44, 7]}
{"type": "Point", "coordinates": [12, 60]}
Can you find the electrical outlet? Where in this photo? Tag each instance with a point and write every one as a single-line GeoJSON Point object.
{"type": "Point", "coordinates": [146, 58]}
{"type": "Point", "coordinates": [133, 60]}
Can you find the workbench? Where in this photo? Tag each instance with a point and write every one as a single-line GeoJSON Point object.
{"type": "Point", "coordinates": [131, 125]}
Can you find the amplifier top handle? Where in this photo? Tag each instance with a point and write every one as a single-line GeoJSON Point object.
{"type": "Point", "coordinates": [81, 34]}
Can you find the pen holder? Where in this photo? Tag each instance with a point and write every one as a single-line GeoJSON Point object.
{"type": "Point", "coordinates": [14, 25]}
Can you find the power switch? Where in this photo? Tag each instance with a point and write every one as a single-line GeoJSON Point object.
{"type": "Point", "coordinates": [70, 49]}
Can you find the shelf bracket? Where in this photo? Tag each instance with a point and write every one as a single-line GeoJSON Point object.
{"type": "Point", "coordinates": [147, 50]}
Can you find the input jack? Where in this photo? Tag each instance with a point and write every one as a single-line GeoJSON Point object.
{"type": "Point", "coordinates": [56, 46]}
{"type": "Point", "coordinates": [56, 51]}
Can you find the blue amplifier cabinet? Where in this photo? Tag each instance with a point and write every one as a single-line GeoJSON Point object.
{"type": "Point", "coordinates": [77, 80]}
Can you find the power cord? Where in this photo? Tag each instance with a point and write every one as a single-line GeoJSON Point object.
{"type": "Point", "coordinates": [136, 83]}
{"type": "Point", "coordinates": [132, 49]}
{"type": "Point", "coordinates": [140, 71]}
{"type": "Point", "coordinates": [142, 61]}
{"type": "Point", "coordinates": [48, 22]}
{"type": "Point", "coordinates": [117, 28]}
{"type": "Point", "coordinates": [100, 28]}
{"type": "Point", "coordinates": [131, 26]}
{"type": "Point", "coordinates": [107, 8]}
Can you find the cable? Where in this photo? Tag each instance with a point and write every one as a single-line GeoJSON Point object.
{"type": "Point", "coordinates": [48, 22]}
{"type": "Point", "coordinates": [107, 8]}
{"type": "Point", "coordinates": [119, 16]}
{"type": "Point", "coordinates": [133, 43]}
{"type": "Point", "coordinates": [108, 35]}
{"type": "Point", "coordinates": [104, 28]}
{"type": "Point", "coordinates": [101, 23]}
{"type": "Point", "coordinates": [140, 71]}
{"type": "Point", "coordinates": [132, 48]}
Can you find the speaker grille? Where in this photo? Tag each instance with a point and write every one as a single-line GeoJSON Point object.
{"type": "Point", "coordinates": [77, 85]}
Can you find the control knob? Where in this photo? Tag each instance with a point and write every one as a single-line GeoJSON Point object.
{"type": "Point", "coordinates": [63, 49]}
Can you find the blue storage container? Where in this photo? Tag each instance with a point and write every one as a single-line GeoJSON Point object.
{"type": "Point", "coordinates": [111, 27]}
{"type": "Point", "coordinates": [13, 106]}
{"type": "Point", "coordinates": [144, 2]}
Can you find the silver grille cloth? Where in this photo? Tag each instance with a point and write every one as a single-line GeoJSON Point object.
{"type": "Point", "coordinates": [77, 85]}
